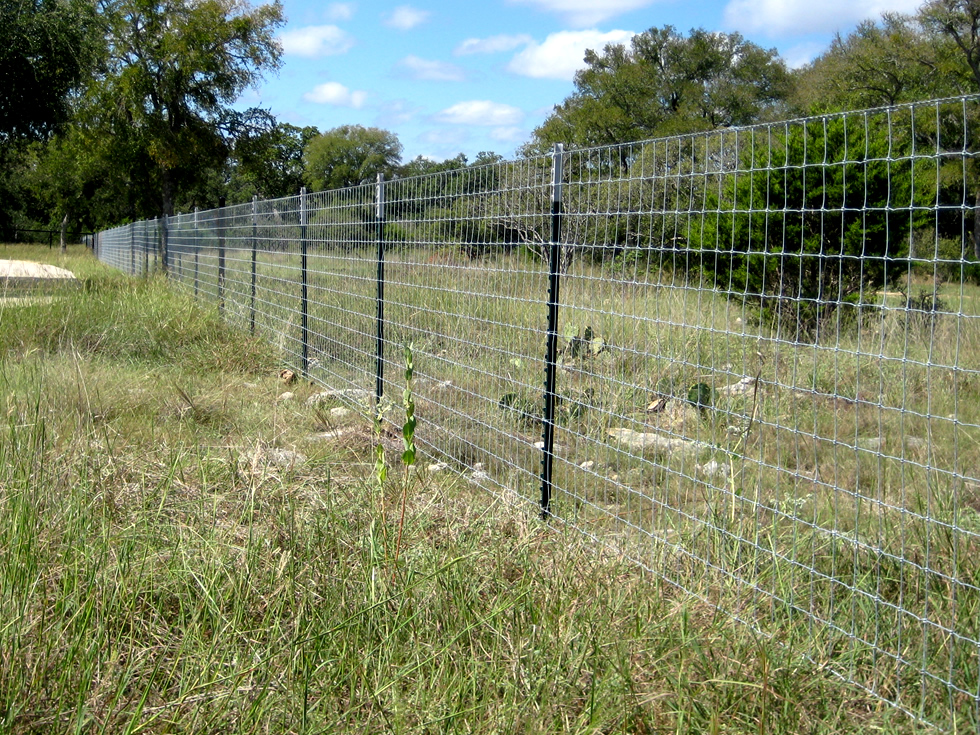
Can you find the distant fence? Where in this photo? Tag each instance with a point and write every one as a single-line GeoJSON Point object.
{"type": "Point", "coordinates": [747, 359]}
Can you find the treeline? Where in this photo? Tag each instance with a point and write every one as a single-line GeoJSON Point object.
{"type": "Point", "coordinates": [121, 110]}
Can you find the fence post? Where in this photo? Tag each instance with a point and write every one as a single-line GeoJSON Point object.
{"type": "Point", "coordinates": [551, 350]}
{"type": "Point", "coordinates": [255, 227]}
{"type": "Point", "coordinates": [165, 244]}
{"type": "Point", "coordinates": [221, 257]}
{"type": "Point", "coordinates": [197, 250]}
{"type": "Point", "coordinates": [379, 389]}
{"type": "Point", "coordinates": [132, 249]}
{"type": "Point", "coordinates": [304, 294]}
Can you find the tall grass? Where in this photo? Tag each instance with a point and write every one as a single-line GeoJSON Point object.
{"type": "Point", "coordinates": [840, 493]}
{"type": "Point", "coordinates": [183, 552]}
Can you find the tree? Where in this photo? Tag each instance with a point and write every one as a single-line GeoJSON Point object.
{"type": "Point", "coordinates": [896, 59]}
{"type": "Point", "coordinates": [269, 162]}
{"type": "Point", "coordinates": [172, 70]}
{"type": "Point", "coordinates": [350, 155]}
{"type": "Point", "coordinates": [959, 20]}
{"type": "Point", "coordinates": [666, 84]}
{"type": "Point", "coordinates": [46, 47]}
{"type": "Point", "coordinates": [825, 210]}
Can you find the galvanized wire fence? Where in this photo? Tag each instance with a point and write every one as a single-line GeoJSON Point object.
{"type": "Point", "coordinates": [748, 359]}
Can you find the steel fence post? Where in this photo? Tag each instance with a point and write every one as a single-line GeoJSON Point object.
{"type": "Point", "coordinates": [197, 250]}
{"type": "Point", "coordinates": [221, 258]}
{"type": "Point", "coordinates": [551, 348]}
{"type": "Point", "coordinates": [304, 290]}
{"type": "Point", "coordinates": [255, 227]}
{"type": "Point", "coordinates": [165, 244]}
{"type": "Point", "coordinates": [379, 388]}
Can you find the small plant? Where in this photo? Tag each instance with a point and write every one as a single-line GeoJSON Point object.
{"type": "Point", "coordinates": [408, 437]}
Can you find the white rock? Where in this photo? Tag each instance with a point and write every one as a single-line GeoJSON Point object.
{"type": "Point", "coordinates": [655, 443]}
{"type": "Point", "coordinates": [346, 394]}
{"type": "Point", "coordinates": [339, 412]}
{"type": "Point", "coordinates": [915, 442]}
{"type": "Point", "coordinates": [587, 465]}
{"type": "Point", "coordinates": [713, 469]}
{"type": "Point", "coordinates": [287, 396]}
{"type": "Point", "coordinates": [871, 443]}
{"type": "Point", "coordinates": [438, 467]}
{"type": "Point", "coordinates": [745, 385]}
{"type": "Point", "coordinates": [478, 467]}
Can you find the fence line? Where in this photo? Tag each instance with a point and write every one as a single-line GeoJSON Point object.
{"type": "Point", "coordinates": [760, 349]}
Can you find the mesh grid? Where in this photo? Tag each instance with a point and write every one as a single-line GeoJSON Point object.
{"type": "Point", "coordinates": [768, 364]}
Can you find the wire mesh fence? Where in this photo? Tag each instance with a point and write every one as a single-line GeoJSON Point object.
{"type": "Point", "coordinates": [748, 359]}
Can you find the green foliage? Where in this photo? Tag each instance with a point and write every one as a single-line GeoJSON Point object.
{"type": "Point", "coordinates": [46, 48]}
{"type": "Point", "coordinates": [816, 222]}
{"type": "Point", "coordinates": [268, 162]}
{"type": "Point", "coordinates": [664, 84]}
{"type": "Point", "coordinates": [171, 72]}
{"type": "Point", "coordinates": [885, 62]}
{"type": "Point", "coordinates": [350, 155]}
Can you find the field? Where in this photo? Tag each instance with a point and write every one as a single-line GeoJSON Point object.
{"type": "Point", "coordinates": [184, 553]}
{"type": "Point", "coordinates": [830, 482]}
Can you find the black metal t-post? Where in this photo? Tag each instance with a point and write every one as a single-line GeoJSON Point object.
{"type": "Point", "coordinates": [551, 356]}
{"type": "Point", "coordinates": [305, 286]}
{"type": "Point", "coordinates": [255, 227]}
{"type": "Point", "coordinates": [379, 388]}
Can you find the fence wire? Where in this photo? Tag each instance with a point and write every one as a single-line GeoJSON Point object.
{"type": "Point", "coordinates": [766, 363]}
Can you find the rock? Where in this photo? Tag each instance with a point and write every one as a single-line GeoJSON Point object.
{"type": "Point", "coordinates": [743, 386]}
{"type": "Point", "coordinates": [677, 417]}
{"type": "Point", "coordinates": [339, 412]}
{"type": "Point", "coordinates": [656, 443]}
{"type": "Point", "coordinates": [287, 376]}
{"type": "Point", "coordinates": [283, 397]}
{"type": "Point", "coordinates": [871, 443]}
{"type": "Point", "coordinates": [916, 443]}
{"type": "Point", "coordinates": [437, 467]}
{"type": "Point", "coordinates": [713, 469]}
{"type": "Point", "coordinates": [557, 447]}
{"type": "Point", "coordinates": [274, 457]}
{"type": "Point", "coordinates": [479, 477]}
{"type": "Point", "coordinates": [478, 467]}
{"type": "Point", "coordinates": [587, 465]}
{"type": "Point", "coordinates": [357, 395]}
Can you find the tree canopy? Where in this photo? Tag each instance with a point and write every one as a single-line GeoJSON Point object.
{"type": "Point", "coordinates": [667, 83]}
{"type": "Point", "coordinates": [350, 155]}
{"type": "Point", "coordinates": [172, 69]}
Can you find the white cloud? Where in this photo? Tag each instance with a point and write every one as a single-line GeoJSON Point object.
{"type": "Point", "coordinates": [397, 112]}
{"type": "Point", "coordinates": [340, 11]}
{"type": "Point", "coordinates": [492, 45]}
{"type": "Point", "coordinates": [432, 71]}
{"type": "Point", "coordinates": [334, 93]}
{"type": "Point", "coordinates": [561, 54]}
{"type": "Point", "coordinates": [584, 13]}
{"type": "Point", "coordinates": [510, 134]}
{"type": "Point", "coordinates": [789, 17]}
{"type": "Point", "coordinates": [314, 41]}
{"type": "Point", "coordinates": [405, 17]}
{"type": "Point", "coordinates": [481, 112]}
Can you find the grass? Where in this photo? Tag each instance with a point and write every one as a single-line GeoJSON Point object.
{"type": "Point", "coordinates": [842, 493]}
{"type": "Point", "coordinates": [183, 552]}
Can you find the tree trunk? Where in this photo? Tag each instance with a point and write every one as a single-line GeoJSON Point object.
{"type": "Point", "coordinates": [64, 226]}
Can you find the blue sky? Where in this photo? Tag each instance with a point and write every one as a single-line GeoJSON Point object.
{"type": "Point", "coordinates": [463, 76]}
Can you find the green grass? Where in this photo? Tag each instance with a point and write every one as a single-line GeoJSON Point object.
{"type": "Point", "coordinates": [849, 504]}
{"type": "Point", "coordinates": [163, 570]}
